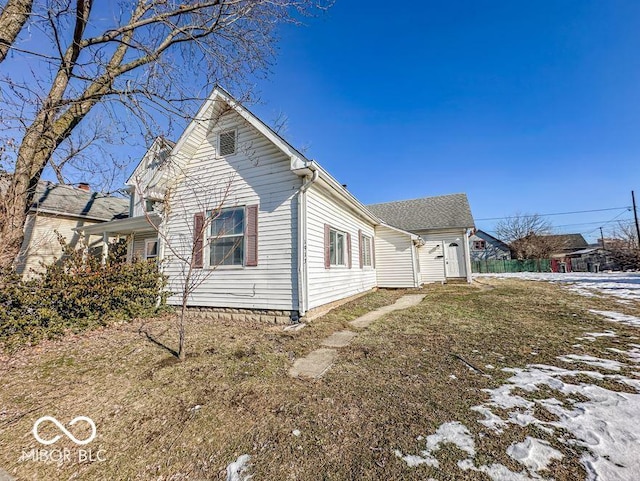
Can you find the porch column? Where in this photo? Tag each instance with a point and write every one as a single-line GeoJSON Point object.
{"type": "Point", "coordinates": [105, 247]}
{"type": "Point", "coordinates": [467, 254]}
{"type": "Point", "coordinates": [85, 249]}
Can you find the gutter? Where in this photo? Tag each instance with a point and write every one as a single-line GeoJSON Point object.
{"type": "Point", "coordinates": [303, 271]}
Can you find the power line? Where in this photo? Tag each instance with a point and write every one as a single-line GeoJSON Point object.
{"type": "Point", "coordinates": [556, 213]}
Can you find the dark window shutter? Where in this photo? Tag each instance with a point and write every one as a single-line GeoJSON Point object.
{"type": "Point", "coordinates": [251, 258]}
{"type": "Point", "coordinates": [327, 246]}
{"type": "Point", "coordinates": [349, 250]}
{"type": "Point", "coordinates": [360, 248]}
{"type": "Point", "coordinates": [198, 240]}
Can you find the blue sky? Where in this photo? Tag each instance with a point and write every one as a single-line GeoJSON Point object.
{"type": "Point", "coordinates": [525, 106]}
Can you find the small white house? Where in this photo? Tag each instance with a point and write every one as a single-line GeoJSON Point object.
{"type": "Point", "coordinates": [264, 230]}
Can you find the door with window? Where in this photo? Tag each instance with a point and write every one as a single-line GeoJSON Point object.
{"type": "Point", "coordinates": [455, 260]}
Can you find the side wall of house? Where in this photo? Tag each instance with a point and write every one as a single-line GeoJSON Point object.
{"type": "Point", "coordinates": [41, 242]}
{"type": "Point", "coordinates": [336, 282]}
{"type": "Point", "coordinates": [432, 254]}
{"type": "Point", "coordinates": [491, 250]}
{"type": "Point", "coordinates": [395, 261]}
{"type": "Point", "coordinates": [139, 242]}
{"type": "Point", "coordinates": [257, 174]}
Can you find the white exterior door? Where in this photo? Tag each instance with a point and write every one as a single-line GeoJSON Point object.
{"type": "Point", "coordinates": [454, 261]}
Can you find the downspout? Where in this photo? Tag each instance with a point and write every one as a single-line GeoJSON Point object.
{"type": "Point", "coordinates": [303, 286]}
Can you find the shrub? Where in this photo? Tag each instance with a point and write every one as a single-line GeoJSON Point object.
{"type": "Point", "coordinates": [76, 294]}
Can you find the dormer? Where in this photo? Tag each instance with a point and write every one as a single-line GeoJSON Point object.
{"type": "Point", "coordinates": [146, 185]}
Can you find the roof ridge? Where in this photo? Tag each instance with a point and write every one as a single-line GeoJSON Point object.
{"type": "Point", "coordinates": [418, 198]}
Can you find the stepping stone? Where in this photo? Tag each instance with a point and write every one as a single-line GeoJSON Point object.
{"type": "Point", "coordinates": [339, 339]}
{"type": "Point", "coordinates": [314, 365]}
{"type": "Point", "coordinates": [404, 302]}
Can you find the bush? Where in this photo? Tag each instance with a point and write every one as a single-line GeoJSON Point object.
{"type": "Point", "coordinates": [76, 294]}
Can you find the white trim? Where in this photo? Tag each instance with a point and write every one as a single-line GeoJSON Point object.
{"type": "Point", "coordinates": [207, 245]}
{"type": "Point", "coordinates": [146, 248]}
{"type": "Point", "coordinates": [345, 247]}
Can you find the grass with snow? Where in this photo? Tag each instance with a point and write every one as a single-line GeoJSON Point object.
{"type": "Point", "coordinates": [430, 384]}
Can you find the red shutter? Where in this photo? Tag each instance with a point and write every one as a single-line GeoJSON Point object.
{"type": "Point", "coordinates": [327, 246]}
{"type": "Point", "coordinates": [360, 248]}
{"type": "Point", "coordinates": [251, 234]}
{"type": "Point", "coordinates": [348, 250]}
{"type": "Point", "coordinates": [198, 235]}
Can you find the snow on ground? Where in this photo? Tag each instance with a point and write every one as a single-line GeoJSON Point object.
{"type": "Point", "coordinates": [592, 336]}
{"type": "Point", "coordinates": [601, 424]}
{"type": "Point", "coordinates": [237, 471]}
{"type": "Point", "coordinates": [589, 416]}
{"type": "Point", "coordinates": [623, 285]}
{"type": "Point", "coordinates": [592, 361]}
{"type": "Point", "coordinates": [613, 316]}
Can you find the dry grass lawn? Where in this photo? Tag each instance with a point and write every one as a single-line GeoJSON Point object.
{"type": "Point", "coordinates": [391, 385]}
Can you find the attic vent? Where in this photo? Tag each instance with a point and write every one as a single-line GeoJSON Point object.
{"type": "Point", "coordinates": [227, 142]}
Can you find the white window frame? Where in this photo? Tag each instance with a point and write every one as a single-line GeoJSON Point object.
{"type": "Point", "coordinates": [235, 142]}
{"type": "Point", "coordinates": [214, 237]}
{"type": "Point", "coordinates": [148, 242]}
{"type": "Point", "coordinates": [367, 243]}
{"type": "Point", "coordinates": [333, 259]}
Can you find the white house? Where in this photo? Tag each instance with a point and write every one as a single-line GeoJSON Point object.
{"type": "Point", "coordinates": [266, 231]}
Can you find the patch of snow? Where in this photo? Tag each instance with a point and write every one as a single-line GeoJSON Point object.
{"type": "Point", "coordinates": [534, 453]}
{"type": "Point", "coordinates": [592, 361]}
{"type": "Point", "coordinates": [622, 285]}
{"type": "Point", "coordinates": [601, 424]}
{"type": "Point", "coordinates": [237, 471]}
{"type": "Point", "coordinates": [453, 376]}
{"type": "Point", "coordinates": [296, 433]}
{"type": "Point", "coordinates": [613, 316]}
{"type": "Point", "coordinates": [489, 366]}
{"type": "Point", "coordinates": [593, 336]}
{"type": "Point", "coordinates": [448, 433]}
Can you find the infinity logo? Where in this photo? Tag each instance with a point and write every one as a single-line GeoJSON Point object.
{"type": "Point", "coordinates": [64, 430]}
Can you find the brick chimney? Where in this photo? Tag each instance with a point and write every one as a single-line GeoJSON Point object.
{"type": "Point", "coordinates": [84, 186]}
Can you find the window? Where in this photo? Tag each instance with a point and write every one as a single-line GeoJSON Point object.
{"type": "Point", "coordinates": [226, 241]}
{"type": "Point", "coordinates": [478, 245]}
{"type": "Point", "coordinates": [149, 205]}
{"type": "Point", "coordinates": [337, 248]}
{"type": "Point", "coordinates": [227, 142]}
{"type": "Point", "coordinates": [150, 248]}
{"type": "Point", "coordinates": [366, 251]}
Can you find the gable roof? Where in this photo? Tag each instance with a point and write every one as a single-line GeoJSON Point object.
{"type": "Point", "coordinates": [495, 240]}
{"type": "Point", "coordinates": [440, 212]}
{"type": "Point", "coordinates": [568, 241]}
{"type": "Point", "coordinates": [67, 200]}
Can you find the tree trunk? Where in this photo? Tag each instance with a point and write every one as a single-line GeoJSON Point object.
{"type": "Point", "coordinates": [13, 17]}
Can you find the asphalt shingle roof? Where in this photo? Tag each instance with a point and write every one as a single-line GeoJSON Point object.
{"type": "Point", "coordinates": [440, 212]}
{"type": "Point", "coordinates": [568, 241]}
{"type": "Point", "coordinates": [65, 199]}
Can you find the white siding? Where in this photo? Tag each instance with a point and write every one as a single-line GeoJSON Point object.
{"type": "Point", "coordinates": [257, 174]}
{"type": "Point", "coordinates": [431, 254]}
{"type": "Point", "coordinates": [395, 263]}
{"type": "Point", "coordinates": [139, 240]}
{"type": "Point", "coordinates": [328, 285]}
{"type": "Point", "coordinates": [41, 244]}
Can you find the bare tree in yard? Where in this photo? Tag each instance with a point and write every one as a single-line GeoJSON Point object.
{"type": "Point", "coordinates": [528, 236]}
{"type": "Point", "coordinates": [139, 63]}
{"type": "Point", "coordinates": [624, 247]}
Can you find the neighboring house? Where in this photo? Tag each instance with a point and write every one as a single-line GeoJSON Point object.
{"type": "Point", "coordinates": [563, 246]}
{"type": "Point", "coordinates": [60, 210]}
{"type": "Point", "coordinates": [442, 222]}
{"type": "Point", "coordinates": [484, 246]}
{"type": "Point", "coordinates": [283, 238]}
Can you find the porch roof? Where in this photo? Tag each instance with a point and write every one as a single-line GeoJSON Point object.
{"type": "Point", "coordinates": [129, 225]}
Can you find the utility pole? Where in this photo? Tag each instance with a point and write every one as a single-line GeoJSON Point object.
{"type": "Point", "coordinates": [635, 215]}
{"type": "Point", "coordinates": [602, 238]}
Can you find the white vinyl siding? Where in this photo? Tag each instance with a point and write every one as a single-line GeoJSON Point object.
{"type": "Point", "coordinates": [140, 240]}
{"type": "Point", "coordinates": [256, 175]}
{"type": "Point", "coordinates": [329, 285]}
{"type": "Point", "coordinates": [395, 258]}
{"type": "Point", "coordinates": [432, 255]}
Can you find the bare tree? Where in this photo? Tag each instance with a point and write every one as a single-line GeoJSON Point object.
{"type": "Point", "coordinates": [150, 59]}
{"type": "Point", "coordinates": [529, 236]}
{"type": "Point", "coordinates": [623, 246]}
